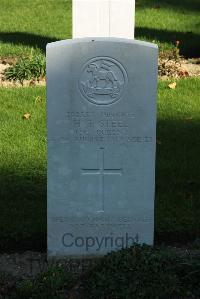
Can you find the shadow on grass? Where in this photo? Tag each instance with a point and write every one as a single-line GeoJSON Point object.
{"type": "Point", "coordinates": [23, 193]}
{"type": "Point", "coordinates": [23, 210]}
{"type": "Point", "coordinates": [187, 5]}
{"type": "Point", "coordinates": [27, 39]}
{"type": "Point", "coordinates": [177, 181]}
{"type": "Point", "coordinates": [189, 42]}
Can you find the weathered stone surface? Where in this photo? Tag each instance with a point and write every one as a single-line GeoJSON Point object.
{"type": "Point", "coordinates": [101, 145]}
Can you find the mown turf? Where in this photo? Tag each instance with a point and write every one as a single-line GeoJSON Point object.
{"type": "Point", "coordinates": [27, 25]}
{"type": "Point", "coordinates": [168, 21]}
{"type": "Point", "coordinates": [22, 168]}
{"type": "Point", "coordinates": [23, 165]}
{"type": "Point", "coordinates": [178, 163]}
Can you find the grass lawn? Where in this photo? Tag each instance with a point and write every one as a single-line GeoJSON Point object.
{"type": "Point", "coordinates": [27, 25]}
{"type": "Point", "coordinates": [178, 163]}
{"type": "Point", "coordinates": [166, 21]}
{"type": "Point", "coordinates": [25, 28]}
{"type": "Point", "coordinates": [23, 165]}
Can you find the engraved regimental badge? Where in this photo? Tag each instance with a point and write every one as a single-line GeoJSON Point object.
{"type": "Point", "coordinates": [102, 81]}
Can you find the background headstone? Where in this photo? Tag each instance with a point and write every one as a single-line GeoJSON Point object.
{"type": "Point", "coordinates": [103, 18]}
{"type": "Point", "coordinates": [101, 145]}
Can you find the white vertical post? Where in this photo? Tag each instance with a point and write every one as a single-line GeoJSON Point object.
{"type": "Point", "coordinates": [103, 18]}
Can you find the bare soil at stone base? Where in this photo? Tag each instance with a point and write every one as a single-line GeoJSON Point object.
{"type": "Point", "coordinates": [168, 69]}
{"type": "Point", "coordinates": [6, 63]}
{"type": "Point", "coordinates": [178, 68]}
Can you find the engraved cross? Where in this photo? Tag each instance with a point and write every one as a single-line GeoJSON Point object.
{"type": "Point", "coordinates": [101, 171]}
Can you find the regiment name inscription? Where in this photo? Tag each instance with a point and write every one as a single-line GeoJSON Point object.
{"type": "Point", "coordinates": [91, 127]}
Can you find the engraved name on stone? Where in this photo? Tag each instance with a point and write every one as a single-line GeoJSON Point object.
{"type": "Point", "coordinates": [111, 127]}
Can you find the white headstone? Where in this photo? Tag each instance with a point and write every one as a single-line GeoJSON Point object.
{"type": "Point", "coordinates": [101, 145]}
{"type": "Point", "coordinates": [103, 18]}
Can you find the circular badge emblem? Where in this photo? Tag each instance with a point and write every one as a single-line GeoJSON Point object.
{"type": "Point", "coordinates": [102, 81]}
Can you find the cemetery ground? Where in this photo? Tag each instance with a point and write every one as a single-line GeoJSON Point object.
{"type": "Point", "coordinates": [172, 270]}
{"type": "Point", "coordinates": [23, 188]}
{"type": "Point", "coordinates": [29, 26]}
